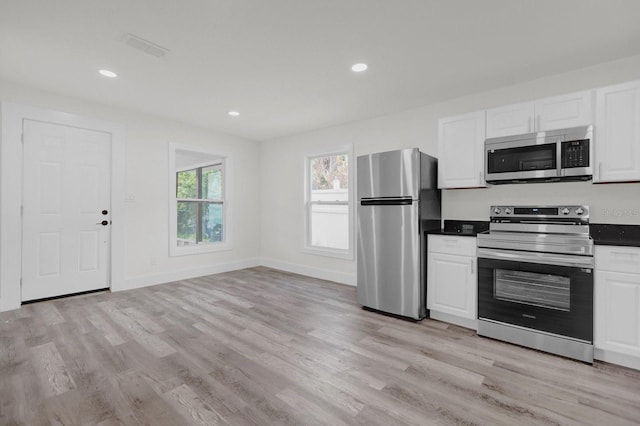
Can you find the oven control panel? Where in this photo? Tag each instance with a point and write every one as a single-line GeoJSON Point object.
{"type": "Point", "coordinates": [539, 212]}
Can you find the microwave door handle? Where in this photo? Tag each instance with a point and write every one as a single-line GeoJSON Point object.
{"type": "Point", "coordinates": [560, 171]}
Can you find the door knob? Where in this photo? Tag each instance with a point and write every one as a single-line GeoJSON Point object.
{"type": "Point", "coordinates": [105, 212]}
{"type": "Point", "coordinates": [103, 223]}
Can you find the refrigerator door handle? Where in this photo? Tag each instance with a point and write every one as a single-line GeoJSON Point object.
{"type": "Point", "coordinates": [386, 202]}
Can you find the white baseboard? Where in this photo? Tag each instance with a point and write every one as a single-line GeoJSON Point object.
{"type": "Point", "coordinates": [184, 274]}
{"type": "Point", "coordinates": [617, 358]}
{"type": "Point", "coordinates": [323, 274]}
{"type": "Point", "coordinates": [453, 319]}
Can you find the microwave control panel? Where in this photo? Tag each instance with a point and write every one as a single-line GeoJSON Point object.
{"type": "Point", "coordinates": [575, 154]}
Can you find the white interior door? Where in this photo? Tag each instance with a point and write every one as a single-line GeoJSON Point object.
{"type": "Point", "coordinates": [66, 210]}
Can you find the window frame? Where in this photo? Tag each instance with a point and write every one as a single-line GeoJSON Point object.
{"type": "Point", "coordinates": [307, 246]}
{"type": "Point", "coordinates": [224, 161]}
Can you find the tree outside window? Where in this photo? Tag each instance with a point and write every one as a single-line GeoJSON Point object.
{"type": "Point", "coordinates": [328, 211]}
{"type": "Point", "coordinates": [329, 172]}
{"type": "Point", "coordinates": [200, 205]}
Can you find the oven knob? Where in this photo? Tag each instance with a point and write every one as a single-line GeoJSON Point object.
{"type": "Point", "coordinates": [565, 211]}
{"type": "Point", "coordinates": [497, 210]}
{"type": "Point", "coordinates": [579, 211]}
{"type": "Point", "coordinates": [507, 210]}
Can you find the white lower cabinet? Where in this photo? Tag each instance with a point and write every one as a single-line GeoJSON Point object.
{"type": "Point", "coordinates": [452, 279]}
{"type": "Point", "coordinates": [617, 305]}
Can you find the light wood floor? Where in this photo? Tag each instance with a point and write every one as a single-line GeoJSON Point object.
{"type": "Point", "coordinates": [260, 346]}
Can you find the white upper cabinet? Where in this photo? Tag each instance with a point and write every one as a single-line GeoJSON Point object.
{"type": "Point", "coordinates": [553, 113]}
{"type": "Point", "coordinates": [562, 112]}
{"type": "Point", "coordinates": [460, 151]}
{"type": "Point", "coordinates": [510, 120]}
{"type": "Point", "coordinates": [617, 133]}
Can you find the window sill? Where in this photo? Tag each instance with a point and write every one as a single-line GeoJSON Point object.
{"type": "Point", "coordinates": [207, 248]}
{"type": "Point", "coordinates": [338, 254]}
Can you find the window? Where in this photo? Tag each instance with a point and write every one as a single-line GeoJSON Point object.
{"type": "Point", "coordinates": [198, 212]}
{"type": "Point", "coordinates": [328, 194]}
{"type": "Point", "coordinates": [200, 205]}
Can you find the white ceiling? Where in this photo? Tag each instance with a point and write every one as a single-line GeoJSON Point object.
{"type": "Point", "coordinates": [285, 64]}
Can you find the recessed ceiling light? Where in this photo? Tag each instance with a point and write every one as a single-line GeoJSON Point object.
{"type": "Point", "coordinates": [108, 73]}
{"type": "Point", "coordinates": [233, 113]}
{"type": "Point", "coordinates": [359, 67]}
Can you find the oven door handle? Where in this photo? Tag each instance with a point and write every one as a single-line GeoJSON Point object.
{"type": "Point", "coordinates": [536, 257]}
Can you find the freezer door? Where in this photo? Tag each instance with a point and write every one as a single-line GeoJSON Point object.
{"type": "Point", "coordinates": [389, 258]}
{"type": "Point", "coordinates": [389, 174]}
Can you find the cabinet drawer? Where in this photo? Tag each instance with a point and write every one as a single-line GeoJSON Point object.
{"type": "Point", "coordinates": [461, 246]}
{"type": "Point", "coordinates": [618, 259]}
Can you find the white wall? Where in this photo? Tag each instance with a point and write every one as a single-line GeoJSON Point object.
{"type": "Point", "coordinates": [267, 182]}
{"type": "Point", "coordinates": [147, 140]}
{"type": "Point", "coordinates": [283, 166]}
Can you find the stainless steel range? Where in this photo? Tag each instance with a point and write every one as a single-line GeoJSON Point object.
{"type": "Point", "coordinates": [535, 279]}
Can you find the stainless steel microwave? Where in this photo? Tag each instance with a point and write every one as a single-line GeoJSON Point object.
{"type": "Point", "coordinates": [551, 156]}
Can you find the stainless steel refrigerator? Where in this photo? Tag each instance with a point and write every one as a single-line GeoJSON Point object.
{"type": "Point", "coordinates": [398, 201]}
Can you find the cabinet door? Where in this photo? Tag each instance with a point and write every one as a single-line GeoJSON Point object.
{"type": "Point", "coordinates": [617, 312]}
{"type": "Point", "coordinates": [510, 120]}
{"type": "Point", "coordinates": [460, 151]}
{"type": "Point", "coordinates": [617, 133]}
{"type": "Point", "coordinates": [561, 112]}
{"type": "Point", "coordinates": [452, 284]}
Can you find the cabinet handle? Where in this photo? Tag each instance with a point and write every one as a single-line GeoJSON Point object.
{"type": "Point", "coordinates": [472, 266]}
{"type": "Point", "coordinates": [600, 170]}
{"type": "Point", "coordinates": [480, 177]}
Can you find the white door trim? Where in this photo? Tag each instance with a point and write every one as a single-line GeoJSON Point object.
{"type": "Point", "coordinates": [11, 194]}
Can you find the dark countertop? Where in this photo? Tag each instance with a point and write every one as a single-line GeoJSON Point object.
{"type": "Point", "coordinates": [602, 233]}
{"type": "Point", "coordinates": [615, 235]}
{"type": "Point", "coordinates": [461, 228]}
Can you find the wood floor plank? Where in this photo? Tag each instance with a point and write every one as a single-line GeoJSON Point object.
{"type": "Point", "coordinates": [50, 368]}
{"type": "Point", "coordinates": [309, 411]}
{"type": "Point", "coordinates": [107, 330]}
{"type": "Point", "coordinates": [193, 409]}
{"type": "Point", "coordinates": [151, 341]}
{"type": "Point", "coordinates": [260, 346]}
{"type": "Point", "coordinates": [48, 314]}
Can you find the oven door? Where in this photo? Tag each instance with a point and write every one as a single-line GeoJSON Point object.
{"type": "Point", "coordinates": [539, 291]}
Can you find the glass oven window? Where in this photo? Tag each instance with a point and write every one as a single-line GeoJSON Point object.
{"type": "Point", "coordinates": [530, 288]}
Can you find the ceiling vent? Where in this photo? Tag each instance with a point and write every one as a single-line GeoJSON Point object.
{"type": "Point", "coordinates": [145, 45]}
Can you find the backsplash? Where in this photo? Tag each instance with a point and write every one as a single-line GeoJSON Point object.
{"type": "Point", "coordinates": [617, 203]}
